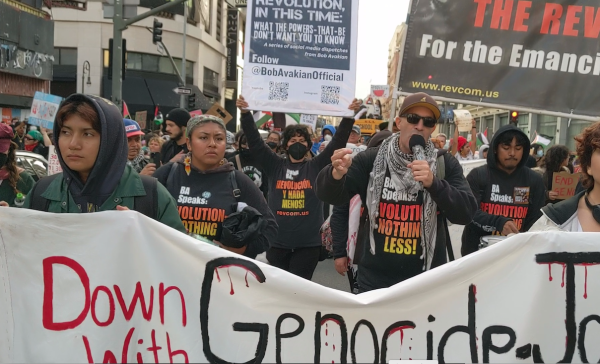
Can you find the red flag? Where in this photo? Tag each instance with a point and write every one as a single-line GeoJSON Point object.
{"type": "Point", "coordinates": [126, 114]}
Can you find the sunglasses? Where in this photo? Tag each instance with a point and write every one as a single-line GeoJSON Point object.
{"type": "Point", "coordinates": [428, 121]}
{"type": "Point", "coordinates": [28, 138]}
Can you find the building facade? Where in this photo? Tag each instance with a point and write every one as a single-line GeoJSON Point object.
{"type": "Point", "coordinates": [26, 56]}
{"type": "Point", "coordinates": [82, 60]}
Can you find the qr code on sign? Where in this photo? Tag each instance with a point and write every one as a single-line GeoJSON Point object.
{"type": "Point", "coordinates": [330, 95]}
{"type": "Point", "coordinates": [278, 91]}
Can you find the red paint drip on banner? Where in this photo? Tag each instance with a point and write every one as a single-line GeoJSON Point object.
{"type": "Point", "coordinates": [217, 272]}
{"type": "Point", "coordinates": [232, 292]}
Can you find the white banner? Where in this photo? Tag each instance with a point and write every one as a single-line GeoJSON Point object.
{"type": "Point", "coordinates": [73, 290]}
{"type": "Point", "coordinates": [301, 56]}
{"type": "Point", "coordinates": [468, 166]}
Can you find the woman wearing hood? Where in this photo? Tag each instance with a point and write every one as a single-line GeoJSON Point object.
{"type": "Point", "coordinates": [205, 189]}
{"type": "Point", "coordinates": [326, 135]}
{"type": "Point", "coordinates": [580, 213]}
{"type": "Point", "coordinates": [483, 151]}
{"type": "Point", "coordinates": [92, 151]}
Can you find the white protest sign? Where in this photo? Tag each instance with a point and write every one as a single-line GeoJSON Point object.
{"type": "Point", "coordinates": [43, 110]}
{"type": "Point", "coordinates": [463, 120]}
{"type": "Point", "coordinates": [140, 291]}
{"type": "Point", "coordinates": [468, 166]}
{"type": "Point", "coordinates": [53, 162]}
{"type": "Point", "coordinates": [310, 120]}
{"type": "Point", "coordinates": [301, 57]}
{"type": "Point", "coordinates": [380, 91]}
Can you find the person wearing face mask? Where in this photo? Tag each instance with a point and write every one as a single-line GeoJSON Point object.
{"type": "Point", "coordinates": [245, 162]}
{"type": "Point", "coordinates": [274, 141]}
{"type": "Point", "coordinates": [536, 156]}
{"type": "Point", "coordinates": [13, 180]}
{"type": "Point", "coordinates": [292, 199]}
{"type": "Point", "coordinates": [203, 185]}
{"type": "Point", "coordinates": [37, 142]}
{"type": "Point", "coordinates": [326, 136]}
{"type": "Point", "coordinates": [580, 213]}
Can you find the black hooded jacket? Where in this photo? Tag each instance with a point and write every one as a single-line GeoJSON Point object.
{"type": "Point", "coordinates": [503, 197]}
{"type": "Point", "coordinates": [110, 163]}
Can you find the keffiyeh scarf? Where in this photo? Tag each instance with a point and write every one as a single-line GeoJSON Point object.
{"type": "Point", "coordinates": [138, 163]}
{"type": "Point", "coordinates": [391, 158]}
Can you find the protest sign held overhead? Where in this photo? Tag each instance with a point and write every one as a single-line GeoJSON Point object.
{"type": "Point", "coordinates": [380, 91]}
{"type": "Point", "coordinates": [301, 56]}
{"type": "Point", "coordinates": [143, 292]}
{"type": "Point", "coordinates": [44, 109]}
{"type": "Point", "coordinates": [542, 55]}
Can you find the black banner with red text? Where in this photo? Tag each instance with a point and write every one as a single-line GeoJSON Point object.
{"type": "Point", "coordinates": [536, 54]}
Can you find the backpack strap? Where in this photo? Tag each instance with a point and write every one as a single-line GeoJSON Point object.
{"type": "Point", "coordinates": [237, 193]}
{"type": "Point", "coordinates": [38, 202]}
{"type": "Point", "coordinates": [440, 171]}
{"type": "Point", "coordinates": [238, 163]}
{"type": "Point", "coordinates": [171, 175]}
{"type": "Point", "coordinates": [148, 205]}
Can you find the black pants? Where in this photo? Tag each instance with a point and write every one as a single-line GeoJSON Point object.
{"type": "Point", "coordinates": [301, 262]}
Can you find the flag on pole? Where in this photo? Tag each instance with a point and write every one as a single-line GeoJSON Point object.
{"type": "Point", "coordinates": [158, 118]}
{"type": "Point", "coordinates": [126, 114]}
{"type": "Point", "coordinates": [482, 139]}
{"type": "Point", "coordinates": [542, 139]}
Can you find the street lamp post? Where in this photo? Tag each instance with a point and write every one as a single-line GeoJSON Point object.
{"type": "Point", "coordinates": [86, 70]}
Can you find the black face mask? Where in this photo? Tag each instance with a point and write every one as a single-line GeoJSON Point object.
{"type": "Point", "coordinates": [272, 145]}
{"type": "Point", "coordinates": [3, 159]}
{"type": "Point", "coordinates": [297, 151]}
{"type": "Point", "coordinates": [595, 209]}
{"type": "Point", "coordinates": [244, 152]}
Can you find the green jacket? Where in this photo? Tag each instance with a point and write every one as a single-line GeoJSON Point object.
{"type": "Point", "coordinates": [24, 185]}
{"type": "Point", "coordinates": [130, 186]}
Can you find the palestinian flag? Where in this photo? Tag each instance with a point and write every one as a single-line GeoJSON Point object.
{"type": "Point", "coordinates": [126, 114]}
{"type": "Point", "coordinates": [482, 139]}
{"type": "Point", "coordinates": [262, 117]}
{"type": "Point", "coordinates": [542, 139]}
{"type": "Point", "coordinates": [158, 117]}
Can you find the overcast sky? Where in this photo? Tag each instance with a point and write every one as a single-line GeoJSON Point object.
{"type": "Point", "coordinates": [377, 20]}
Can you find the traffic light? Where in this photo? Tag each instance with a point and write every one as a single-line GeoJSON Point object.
{"type": "Point", "coordinates": [157, 32]}
{"type": "Point", "coordinates": [191, 102]}
{"type": "Point", "coordinates": [514, 117]}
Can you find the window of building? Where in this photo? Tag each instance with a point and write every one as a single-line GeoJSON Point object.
{"type": "Point", "coordinates": [154, 63]}
{"type": "Point", "coordinates": [65, 56]}
{"type": "Point", "coordinates": [574, 130]}
{"type": "Point", "coordinates": [134, 61]}
{"type": "Point", "coordinates": [523, 123]}
{"type": "Point", "coordinates": [547, 126]}
{"type": "Point", "coordinates": [165, 65]}
{"type": "Point", "coordinates": [219, 20]}
{"type": "Point", "coordinates": [211, 82]}
{"type": "Point", "coordinates": [206, 14]}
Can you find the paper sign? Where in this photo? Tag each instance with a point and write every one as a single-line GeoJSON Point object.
{"type": "Point", "coordinates": [117, 286]}
{"type": "Point", "coordinates": [310, 120]}
{"type": "Point", "coordinates": [220, 112]}
{"type": "Point", "coordinates": [44, 109]}
{"type": "Point", "coordinates": [463, 120]}
{"type": "Point", "coordinates": [380, 91]}
{"type": "Point", "coordinates": [141, 117]}
{"type": "Point", "coordinates": [53, 163]}
{"type": "Point", "coordinates": [565, 184]}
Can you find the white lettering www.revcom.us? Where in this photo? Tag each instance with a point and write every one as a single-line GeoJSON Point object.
{"type": "Point", "coordinates": [455, 89]}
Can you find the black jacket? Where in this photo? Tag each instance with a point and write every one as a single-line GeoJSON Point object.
{"type": "Point", "coordinates": [451, 194]}
{"type": "Point", "coordinates": [503, 197]}
{"type": "Point", "coordinates": [170, 149]}
{"type": "Point", "coordinates": [205, 199]}
{"type": "Point", "coordinates": [292, 198]}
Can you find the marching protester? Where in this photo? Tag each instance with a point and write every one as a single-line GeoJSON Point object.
{"type": "Point", "coordinates": [175, 124]}
{"type": "Point", "coordinates": [292, 198]}
{"type": "Point", "coordinates": [274, 141]}
{"type": "Point", "coordinates": [208, 189]}
{"type": "Point", "coordinates": [19, 130]}
{"type": "Point", "coordinates": [13, 180]}
{"type": "Point", "coordinates": [442, 138]}
{"type": "Point", "coordinates": [135, 156]}
{"type": "Point", "coordinates": [155, 144]}
{"type": "Point", "coordinates": [92, 151]}
{"type": "Point", "coordinates": [37, 142]}
{"type": "Point", "coordinates": [408, 199]}
{"type": "Point", "coordinates": [460, 148]}
{"type": "Point", "coordinates": [536, 156]}
{"type": "Point", "coordinates": [556, 160]}
{"type": "Point", "coordinates": [326, 136]}
{"type": "Point", "coordinates": [245, 162]}
{"type": "Point", "coordinates": [580, 213]}
{"type": "Point", "coordinates": [509, 195]}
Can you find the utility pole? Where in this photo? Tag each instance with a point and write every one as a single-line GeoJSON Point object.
{"type": "Point", "coordinates": [183, 60]}
{"type": "Point", "coordinates": [119, 25]}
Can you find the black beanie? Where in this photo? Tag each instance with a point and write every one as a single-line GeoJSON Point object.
{"type": "Point", "coordinates": [179, 117]}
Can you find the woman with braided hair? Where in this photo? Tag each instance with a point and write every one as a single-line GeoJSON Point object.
{"type": "Point", "coordinates": [13, 180]}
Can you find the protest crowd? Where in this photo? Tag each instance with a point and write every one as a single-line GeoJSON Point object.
{"type": "Point", "coordinates": [295, 196]}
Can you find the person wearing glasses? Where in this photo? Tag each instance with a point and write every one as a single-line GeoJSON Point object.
{"type": "Point", "coordinates": [408, 199]}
